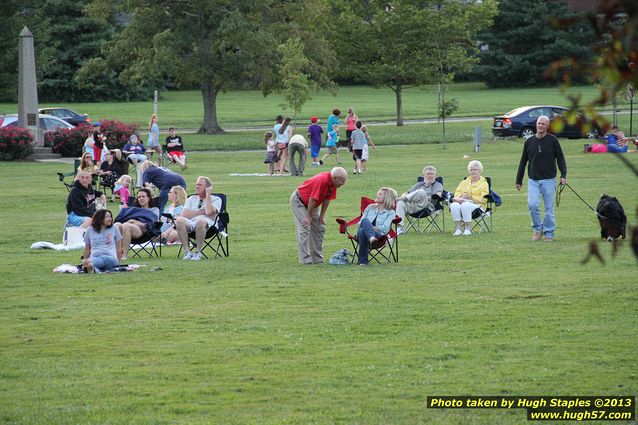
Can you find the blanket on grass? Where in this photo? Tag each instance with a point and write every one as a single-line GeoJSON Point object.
{"type": "Point", "coordinates": [70, 268]}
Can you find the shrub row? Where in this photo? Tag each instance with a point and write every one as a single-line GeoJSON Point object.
{"type": "Point", "coordinates": [15, 143]}
{"type": "Point", "coordinates": [69, 142]}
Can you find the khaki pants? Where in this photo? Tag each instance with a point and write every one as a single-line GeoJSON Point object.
{"type": "Point", "coordinates": [309, 239]}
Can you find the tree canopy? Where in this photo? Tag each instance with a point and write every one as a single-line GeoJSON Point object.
{"type": "Point", "coordinates": [408, 42]}
{"type": "Point", "coordinates": [524, 42]}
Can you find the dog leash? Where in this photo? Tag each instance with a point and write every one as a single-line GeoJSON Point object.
{"type": "Point", "coordinates": [559, 193]}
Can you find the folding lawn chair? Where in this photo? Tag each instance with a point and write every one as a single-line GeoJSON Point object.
{"type": "Point", "coordinates": [216, 237]}
{"type": "Point", "coordinates": [385, 248]}
{"type": "Point", "coordinates": [483, 217]}
{"type": "Point", "coordinates": [430, 218]}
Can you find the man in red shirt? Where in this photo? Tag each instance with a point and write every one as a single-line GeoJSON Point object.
{"type": "Point", "coordinates": [305, 202]}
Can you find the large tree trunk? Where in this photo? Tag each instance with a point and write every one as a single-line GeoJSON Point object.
{"type": "Point", "coordinates": [397, 92]}
{"type": "Point", "coordinates": [209, 94]}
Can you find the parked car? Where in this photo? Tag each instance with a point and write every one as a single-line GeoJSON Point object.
{"type": "Point", "coordinates": [47, 122]}
{"type": "Point", "coordinates": [521, 122]}
{"type": "Point", "coordinates": [68, 115]}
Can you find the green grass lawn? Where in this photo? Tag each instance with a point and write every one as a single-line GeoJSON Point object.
{"type": "Point", "coordinates": [256, 338]}
{"type": "Point", "coordinates": [184, 109]}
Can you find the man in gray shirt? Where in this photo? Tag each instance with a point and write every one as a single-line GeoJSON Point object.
{"type": "Point", "coordinates": [419, 196]}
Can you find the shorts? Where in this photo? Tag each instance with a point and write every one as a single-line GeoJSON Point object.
{"type": "Point", "coordinates": [364, 153]}
{"type": "Point", "coordinates": [349, 135]}
{"type": "Point", "coordinates": [332, 149]}
{"type": "Point", "coordinates": [176, 153]}
{"type": "Point", "coordinates": [314, 150]}
{"type": "Point", "coordinates": [76, 220]}
{"type": "Point", "coordinates": [193, 222]}
{"type": "Point", "coordinates": [356, 153]}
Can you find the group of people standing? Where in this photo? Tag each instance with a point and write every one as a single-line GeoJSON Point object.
{"type": "Point", "coordinates": [282, 147]}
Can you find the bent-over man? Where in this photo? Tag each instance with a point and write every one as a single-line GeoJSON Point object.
{"type": "Point", "coordinates": [309, 203]}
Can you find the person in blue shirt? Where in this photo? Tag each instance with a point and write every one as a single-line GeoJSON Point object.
{"type": "Point", "coordinates": [332, 120]}
{"type": "Point", "coordinates": [162, 178]}
{"type": "Point", "coordinates": [331, 144]}
{"type": "Point", "coordinates": [376, 221]}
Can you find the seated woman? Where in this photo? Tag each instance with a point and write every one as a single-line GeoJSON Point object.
{"type": "Point", "coordinates": [86, 163]}
{"type": "Point", "coordinates": [616, 140]}
{"type": "Point", "coordinates": [468, 196]}
{"type": "Point", "coordinates": [376, 221]}
{"type": "Point", "coordinates": [80, 204]}
{"type": "Point", "coordinates": [112, 168]}
{"type": "Point", "coordinates": [135, 222]}
{"type": "Point", "coordinates": [419, 196]}
{"type": "Point", "coordinates": [102, 249]}
{"type": "Point", "coordinates": [177, 198]}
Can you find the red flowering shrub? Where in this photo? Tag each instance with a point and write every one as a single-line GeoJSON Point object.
{"type": "Point", "coordinates": [117, 133]}
{"type": "Point", "coordinates": [69, 142]}
{"type": "Point", "coordinates": [15, 143]}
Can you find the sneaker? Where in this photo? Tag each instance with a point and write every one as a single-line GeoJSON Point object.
{"type": "Point", "coordinates": [196, 257]}
{"type": "Point", "coordinates": [467, 232]}
{"type": "Point", "coordinates": [537, 236]}
{"type": "Point", "coordinates": [188, 256]}
{"type": "Point", "coordinates": [354, 171]}
{"type": "Point", "coordinates": [372, 240]}
{"type": "Point", "coordinates": [457, 232]}
{"type": "Point", "coordinates": [399, 231]}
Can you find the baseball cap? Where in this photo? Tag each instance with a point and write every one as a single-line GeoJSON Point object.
{"type": "Point", "coordinates": [314, 119]}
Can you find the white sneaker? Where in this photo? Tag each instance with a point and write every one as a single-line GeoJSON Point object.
{"type": "Point", "coordinates": [457, 232]}
{"type": "Point", "coordinates": [467, 232]}
{"type": "Point", "coordinates": [196, 257]}
{"type": "Point", "coordinates": [399, 231]}
{"type": "Point", "coordinates": [187, 256]}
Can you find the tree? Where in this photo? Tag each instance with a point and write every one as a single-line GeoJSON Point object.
{"type": "Point", "coordinates": [213, 44]}
{"type": "Point", "coordinates": [408, 43]}
{"type": "Point", "coordinates": [296, 84]}
{"type": "Point", "coordinates": [521, 45]}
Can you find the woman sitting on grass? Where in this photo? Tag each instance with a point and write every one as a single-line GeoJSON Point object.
{"type": "Point", "coordinates": [135, 222]}
{"type": "Point", "coordinates": [176, 198]}
{"type": "Point", "coordinates": [376, 221]}
{"type": "Point", "coordinates": [101, 244]}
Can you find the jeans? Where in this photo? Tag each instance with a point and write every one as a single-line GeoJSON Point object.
{"type": "Point", "coordinates": [365, 232]}
{"type": "Point", "coordinates": [546, 188]}
{"type": "Point", "coordinates": [104, 262]}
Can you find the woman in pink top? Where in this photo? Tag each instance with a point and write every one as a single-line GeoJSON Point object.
{"type": "Point", "coordinates": [351, 121]}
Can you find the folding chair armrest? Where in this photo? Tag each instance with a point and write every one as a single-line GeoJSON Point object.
{"type": "Point", "coordinates": [342, 225]}
{"type": "Point", "coordinates": [396, 220]}
{"type": "Point", "coordinates": [224, 218]}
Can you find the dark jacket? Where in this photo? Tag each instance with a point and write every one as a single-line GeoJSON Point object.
{"type": "Point", "coordinates": [543, 155]}
{"type": "Point", "coordinates": [81, 200]}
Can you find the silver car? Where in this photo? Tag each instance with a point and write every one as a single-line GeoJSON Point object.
{"type": "Point", "coordinates": [47, 122]}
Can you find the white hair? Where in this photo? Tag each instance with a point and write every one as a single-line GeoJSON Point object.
{"type": "Point", "coordinates": [475, 163]}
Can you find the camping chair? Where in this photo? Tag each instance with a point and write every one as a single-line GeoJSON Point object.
{"type": "Point", "coordinates": [216, 237]}
{"type": "Point", "coordinates": [148, 243]}
{"type": "Point", "coordinates": [431, 218]}
{"type": "Point", "coordinates": [168, 160]}
{"type": "Point", "coordinates": [385, 248]}
{"type": "Point", "coordinates": [483, 218]}
{"type": "Point", "coordinates": [63, 176]}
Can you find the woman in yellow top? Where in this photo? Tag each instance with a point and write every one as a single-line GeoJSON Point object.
{"type": "Point", "coordinates": [469, 195]}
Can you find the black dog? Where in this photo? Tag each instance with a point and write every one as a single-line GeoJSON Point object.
{"type": "Point", "coordinates": [612, 218]}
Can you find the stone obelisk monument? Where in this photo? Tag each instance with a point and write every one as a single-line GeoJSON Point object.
{"type": "Point", "coordinates": [27, 88]}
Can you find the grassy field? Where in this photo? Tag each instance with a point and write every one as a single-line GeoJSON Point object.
{"type": "Point", "coordinates": [184, 109]}
{"type": "Point", "coordinates": [256, 338]}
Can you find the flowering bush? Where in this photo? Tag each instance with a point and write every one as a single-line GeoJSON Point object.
{"type": "Point", "coordinates": [117, 133]}
{"type": "Point", "coordinates": [69, 142]}
{"type": "Point", "coordinates": [15, 143]}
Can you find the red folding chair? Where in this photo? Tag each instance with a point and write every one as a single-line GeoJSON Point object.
{"type": "Point", "coordinates": [385, 248]}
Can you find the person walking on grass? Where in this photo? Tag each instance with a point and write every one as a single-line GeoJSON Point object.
{"type": "Point", "coordinates": [309, 203]}
{"type": "Point", "coordinates": [366, 149]}
{"type": "Point", "coordinates": [543, 153]}
{"type": "Point", "coordinates": [314, 135]}
{"type": "Point", "coordinates": [331, 144]}
{"type": "Point", "coordinates": [153, 137]}
{"type": "Point", "coordinates": [358, 143]}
